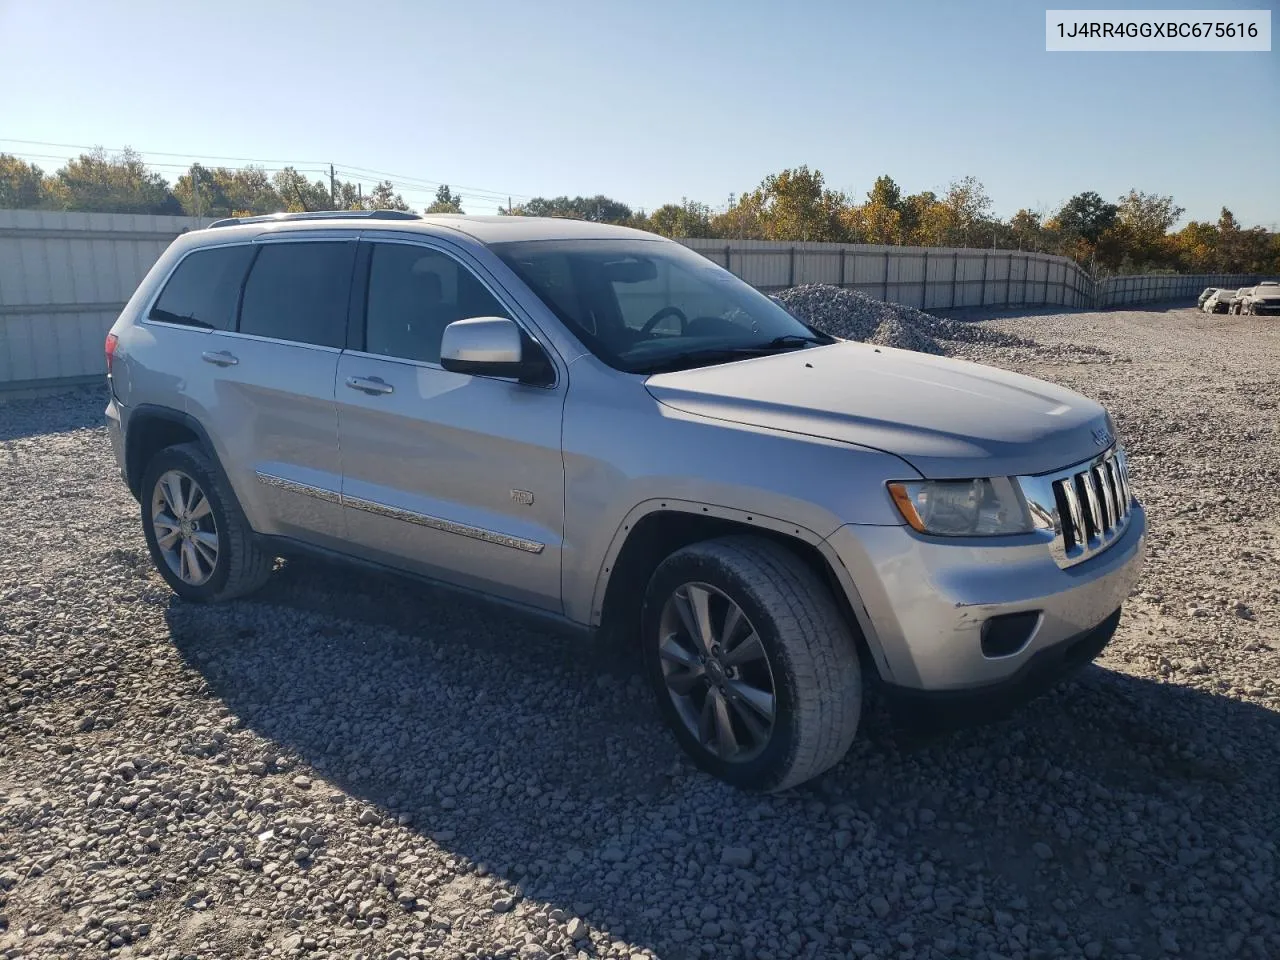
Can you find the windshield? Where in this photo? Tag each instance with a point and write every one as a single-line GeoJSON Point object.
{"type": "Point", "coordinates": [646, 305]}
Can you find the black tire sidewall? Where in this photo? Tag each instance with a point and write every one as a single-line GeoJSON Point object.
{"type": "Point", "coordinates": [174, 458]}
{"type": "Point", "coordinates": [768, 769]}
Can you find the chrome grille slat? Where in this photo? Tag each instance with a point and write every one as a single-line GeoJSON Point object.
{"type": "Point", "coordinates": [1123, 463]}
{"type": "Point", "coordinates": [1117, 492]}
{"type": "Point", "coordinates": [1076, 518]}
{"type": "Point", "coordinates": [1090, 484]}
{"type": "Point", "coordinates": [1092, 504]}
{"type": "Point", "coordinates": [1108, 496]}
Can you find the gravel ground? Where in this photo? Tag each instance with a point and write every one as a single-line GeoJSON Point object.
{"type": "Point", "coordinates": [356, 766]}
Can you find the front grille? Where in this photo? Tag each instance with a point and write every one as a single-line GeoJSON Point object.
{"type": "Point", "coordinates": [1094, 505]}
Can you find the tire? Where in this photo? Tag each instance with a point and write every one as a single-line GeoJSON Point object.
{"type": "Point", "coordinates": [809, 657]}
{"type": "Point", "coordinates": [238, 566]}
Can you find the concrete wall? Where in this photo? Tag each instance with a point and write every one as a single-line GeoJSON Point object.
{"type": "Point", "coordinates": [64, 277]}
{"type": "Point", "coordinates": [1117, 291]}
{"type": "Point", "coordinates": [931, 278]}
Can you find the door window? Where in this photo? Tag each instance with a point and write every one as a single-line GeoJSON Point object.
{"type": "Point", "coordinates": [203, 290]}
{"type": "Point", "coordinates": [414, 293]}
{"type": "Point", "coordinates": [298, 291]}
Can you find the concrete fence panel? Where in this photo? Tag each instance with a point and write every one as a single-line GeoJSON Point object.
{"type": "Point", "coordinates": [64, 277]}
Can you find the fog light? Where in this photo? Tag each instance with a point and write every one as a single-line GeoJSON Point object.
{"type": "Point", "coordinates": [1008, 633]}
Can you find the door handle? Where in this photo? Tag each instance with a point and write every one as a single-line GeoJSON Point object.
{"type": "Point", "coordinates": [221, 359]}
{"type": "Point", "coordinates": [370, 385]}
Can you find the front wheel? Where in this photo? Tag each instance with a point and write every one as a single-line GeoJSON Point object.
{"type": "Point", "coordinates": [755, 670]}
{"type": "Point", "coordinates": [198, 537]}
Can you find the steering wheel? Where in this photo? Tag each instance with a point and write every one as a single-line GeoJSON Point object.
{"type": "Point", "coordinates": [668, 311]}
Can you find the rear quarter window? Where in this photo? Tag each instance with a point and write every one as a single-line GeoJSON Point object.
{"type": "Point", "coordinates": [203, 290]}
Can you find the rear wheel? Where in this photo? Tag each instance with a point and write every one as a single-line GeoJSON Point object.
{"type": "Point", "coordinates": [754, 668]}
{"type": "Point", "coordinates": [198, 537]}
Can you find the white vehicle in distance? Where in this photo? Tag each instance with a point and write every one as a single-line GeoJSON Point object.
{"type": "Point", "coordinates": [1219, 301]}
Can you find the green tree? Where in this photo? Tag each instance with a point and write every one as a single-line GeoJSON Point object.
{"type": "Point", "coordinates": [1139, 239]}
{"type": "Point", "coordinates": [298, 194]}
{"type": "Point", "coordinates": [796, 205]}
{"type": "Point", "coordinates": [200, 193]}
{"type": "Point", "coordinates": [384, 197]}
{"type": "Point", "coordinates": [688, 218]}
{"type": "Point", "coordinates": [1025, 227]}
{"type": "Point", "coordinates": [22, 184]}
{"type": "Point", "coordinates": [248, 190]}
{"type": "Point", "coordinates": [915, 211]}
{"type": "Point", "coordinates": [446, 201]}
{"type": "Point", "coordinates": [885, 192]}
{"type": "Point", "coordinates": [1086, 216]}
{"type": "Point", "coordinates": [119, 184]}
{"type": "Point", "coordinates": [960, 217]}
{"type": "Point", "coordinates": [599, 208]}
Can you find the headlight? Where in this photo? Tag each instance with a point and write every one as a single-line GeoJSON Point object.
{"type": "Point", "coordinates": [963, 508]}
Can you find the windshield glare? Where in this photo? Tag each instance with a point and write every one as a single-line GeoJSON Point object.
{"type": "Point", "coordinates": [639, 305]}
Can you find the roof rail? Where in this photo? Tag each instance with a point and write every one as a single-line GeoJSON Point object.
{"type": "Point", "coordinates": [319, 215]}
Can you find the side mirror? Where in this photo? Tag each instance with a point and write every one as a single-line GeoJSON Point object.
{"type": "Point", "coordinates": [493, 347]}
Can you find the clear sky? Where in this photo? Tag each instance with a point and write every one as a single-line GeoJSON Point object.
{"type": "Point", "coordinates": [644, 101]}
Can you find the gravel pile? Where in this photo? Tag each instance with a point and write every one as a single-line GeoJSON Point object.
{"type": "Point", "coordinates": [351, 766]}
{"type": "Point", "coordinates": [855, 316]}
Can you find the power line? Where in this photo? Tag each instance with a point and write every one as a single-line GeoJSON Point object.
{"type": "Point", "coordinates": [175, 166]}
{"type": "Point", "coordinates": [154, 153]}
{"type": "Point", "coordinates": [322, 165]}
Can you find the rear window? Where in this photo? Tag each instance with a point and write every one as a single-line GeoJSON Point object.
{"type": "Point", "coordinates": [203, 290]}
{"type": "Point", "coordinates": [298, 292]}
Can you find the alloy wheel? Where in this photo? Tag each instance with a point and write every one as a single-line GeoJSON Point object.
{"type": "Point", "coordinates": [184, 526]}
{"type": "Point", "coordinates": [717, 672]}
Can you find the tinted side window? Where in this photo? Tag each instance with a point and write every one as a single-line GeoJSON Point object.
{"type": "Point", "coordinates": [203, 290]}
{"type": "Point", "coordinates": [414, 293]}
{"type": "Point", "coordinates": [298, 291]}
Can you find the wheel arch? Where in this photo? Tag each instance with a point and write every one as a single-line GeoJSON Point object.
{"type": "Point", "coordinates": [653, 530]}
{"type": "Point", "coordinates": [151, 428]}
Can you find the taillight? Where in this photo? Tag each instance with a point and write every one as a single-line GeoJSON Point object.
{"type": "Point", "coordinates": [112, 340]}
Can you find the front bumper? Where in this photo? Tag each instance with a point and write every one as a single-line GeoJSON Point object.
{"type": "Point", "coordinates": [1041, 670]}
{"type": "Point", "coordinates": [927, 599]}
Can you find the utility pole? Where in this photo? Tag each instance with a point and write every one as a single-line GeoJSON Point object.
{"type": "Point", "coordinates": [508, 205]}
{"type": "Point", "coordinates": [195, 186]}
{"type": "Point", "coordinates": [333, 190]}
{"type": "Point", "coordinates": [360, 194]}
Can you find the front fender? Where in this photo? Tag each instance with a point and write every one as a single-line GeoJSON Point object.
{"type": "Point", "coordinates": [748, 520]}
{"type": "Point", "coordinates": [626, 455]}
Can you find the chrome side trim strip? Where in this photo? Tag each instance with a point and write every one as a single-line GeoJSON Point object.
{"type": "Point", "coordinates": [447, 526]}
{"type": "Point", "coordinates": [397, 513]}
{"type": "Point", "coordinates": [294, 486]}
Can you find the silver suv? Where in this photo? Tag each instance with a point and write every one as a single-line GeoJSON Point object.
{"type": "Point", "coordinates": [600, 426]}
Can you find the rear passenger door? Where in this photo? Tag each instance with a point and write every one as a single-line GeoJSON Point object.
{"type": "Point", "coordinates": [454, 476]}
{"type": "Point", "coordinates": [264, 388]}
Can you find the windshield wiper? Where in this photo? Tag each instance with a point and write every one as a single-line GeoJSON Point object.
{"type": "Point", "coordinates": [788, 340]}
{"type": "Point", "coordinates": [696, 358]}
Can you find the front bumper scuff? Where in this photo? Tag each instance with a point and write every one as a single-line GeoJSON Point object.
{"type": "Point", "coordinates": [927, 598]}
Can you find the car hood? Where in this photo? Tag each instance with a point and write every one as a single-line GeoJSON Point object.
{"type": "Point", "coordinates": [947, 418]}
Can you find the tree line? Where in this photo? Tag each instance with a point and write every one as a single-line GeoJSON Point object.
{"type": "Point", "coordinates": [1134, 234]}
